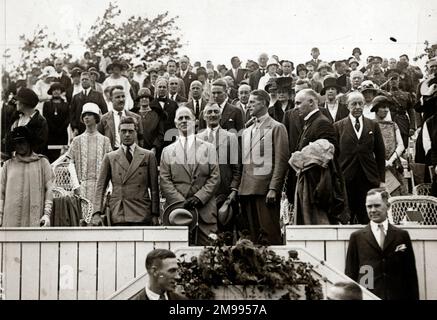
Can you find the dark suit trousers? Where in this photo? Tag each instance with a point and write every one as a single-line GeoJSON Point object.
{"type": "Point", "coordinates": [357, 189]}
{"type": "Point", "coordinates": [263, 221]}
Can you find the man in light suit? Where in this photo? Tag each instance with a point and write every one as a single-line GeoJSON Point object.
{"type": "Point", "coordinates": [380, 256]}
{"type": "Point", "coordinates": [232, 117]}
{"type": "Point", "coordinates": [189, 172]}
{"type": "Point", "coordinates": [236, 72]}
{"type": "Point", "coordinates": [162, 268]}
{"type": "Point", "coordinates": [264, 155]}
{"type": "Point", "coordinates": [361, 155]}
{"type": "Point", "coordinates": [109, 124]}
{"type": "Point", "coordinates": [228, 152]}
{"type": "Point", "coordinates": [86, 95]}
{"type": "Point", "coordinates": [133, 172]}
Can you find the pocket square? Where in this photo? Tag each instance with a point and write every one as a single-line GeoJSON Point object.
{"type": "Point", "coordinates": [370, 132]}
{"type": "Point", "coordinates": [231, 119]}
{"type": "Point", "coordinates": [401, 247]}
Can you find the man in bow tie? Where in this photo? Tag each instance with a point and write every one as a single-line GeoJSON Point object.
{"type": "Point", "coordinates": [361, 154]}
{"type": "Point", "coordinates": [264, 155]}
{"type": "Point", "coordinates": [380, 256]}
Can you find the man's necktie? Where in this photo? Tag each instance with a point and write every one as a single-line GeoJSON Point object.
{"type": "Point", "coordinates": [357, 124]}
{"type": "Point", "coordinates": [381, 235]}
{"type": "Point", "coordinates": [263, 72]}
{"type": "Point", "coordinates": [84, 93]}
{"type": "Point", "coordinates": [211, 137]}
{"type": "Point", "coordinates": [196, 109]}
{"type": "Point", "coordinates": [128, 154]}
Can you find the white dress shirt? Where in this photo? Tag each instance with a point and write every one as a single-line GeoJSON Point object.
{"type": "Point", "coordinates": [332, 108]}
{"type": "Point", "coordinates": [183, 140]}
{"type": "Point", "coordinates": [116, 125]}
{"type": "Point", "coordinates": [375, 229]}
{"type": "Point", "coordinates": [131, 148]}
{"type": "Point", "coordinates": [310, 114]}
{"type": "Point", "coordinates": [360, 120]}
{"type": "Point", "coordinates": [152, 295]}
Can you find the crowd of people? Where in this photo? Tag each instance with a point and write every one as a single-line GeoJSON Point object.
{"type": "Point", "coordinates": [222, 147]}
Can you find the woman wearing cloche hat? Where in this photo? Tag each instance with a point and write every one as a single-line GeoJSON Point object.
{"type": "Point", "coordinates": [87, 151]}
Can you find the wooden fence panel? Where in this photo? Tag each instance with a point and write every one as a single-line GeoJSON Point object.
{"type": "Point", "coordinates": [430, 271]}
{"type": "Point", "coordinates": [68, 270]}
{"type": "Point", "coordinates": [317, 248]}
{"type": "Point", "coordinates": [106, 269]}
{"type": "Point", "coordinates": [12, 270]}
{"type": "Point", "coordinates": [418, 248]}
{"type": "Point", "coordinates": [125, 263]}
{"type": "Point", "coordinates": [87, 281]}
{"type": "Point", "coordinates": [141, 251]}
{"type": "Point", "coordinates": [161, 245]}
{"type": "Point", "coordinates": [335, 254]}
{"type": "Point", "coordinates": [49, 271]}
{"type": "Point", "coordinates": [30, 267]}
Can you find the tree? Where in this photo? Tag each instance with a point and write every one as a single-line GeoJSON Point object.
{"type": "Point", "coordinates": [138, 37]}
{"type": "Point", "coordinates": [38, 48]}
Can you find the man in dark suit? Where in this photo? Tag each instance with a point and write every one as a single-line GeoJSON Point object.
{"type": "Point", "coordinates": [315, 53]}
{"type": "Point", "coordinates": [185, 74]}
{"type": "Point", "coordinates": [312, 205]}
{"type": "Point", "coordinates": [236, 72]}
{"type": "Point", "coordinates": [232, 117]}
{"type": "Point", "coordinates": [133, 172]}
{"type": "Point", "coordinates": [169, 106]}
{"type": "Point", "coordinates": [110, 122]}
{"type": "Point", "coordinates": [335, 109]}
{"type": "Point", "coordinates": [361, 155]}
{"type": "Point", "coordinates": [264, 156]}
{"type": "Point", "coordinates": [228, 152]}
{"type": "Point", "coordinates": [85, 96]}
{"type": "Point", "coordinates": [162, 268]}
{"type": "Point", "coordinates": [173, 88]}
{"type": "Point", "coordinates": [380, 256]}
{"type": "Point", "coordinates": [63, 78]}
{"type": "Point", "coordinates": [196, 103]}
{"type": "Point", "coordinates": [260, 72]}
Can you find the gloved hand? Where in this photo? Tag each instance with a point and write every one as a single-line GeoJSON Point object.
{"type": "Point", "coordinates": [96, 219]}
{"type": "Point", "coordinates": [192, 202]}
{"type": "Point", "coordinates": [44, 221]}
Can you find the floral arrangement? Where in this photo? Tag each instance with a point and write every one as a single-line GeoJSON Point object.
{"type": "Point", "coordinates": [245, 265]}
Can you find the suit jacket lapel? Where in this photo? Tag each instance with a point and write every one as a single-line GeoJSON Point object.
{"type": "Point", "coordinates": [180, 158]}
{"type": "Point", "coordinates": [365, 131]}
{"type": "Point", "coordinates": [389, 237]}
{"type": "Point", "coordinates": [371, 238]}
{"type": "Point", "coordinates": [262, 131]}
{"type": "Point", "coordinates": [351, 130]}
{"type": "Point", "coordinates": [226, 113]}
{"type": "Point", "coordinates": [111, 125]}
{"type": "Point", "coordinates": [121, 159]}
{"type": "Point", "coordinates": [137, 158]}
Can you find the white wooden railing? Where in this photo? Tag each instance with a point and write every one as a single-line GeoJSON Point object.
{"type": "Point", "coordinates": [77, 263]}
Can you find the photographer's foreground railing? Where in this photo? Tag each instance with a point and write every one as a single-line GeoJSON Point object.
{"type": "Point", "coordinates": [77, 263]}
{"type": "Point", "coordinates": [330, 243]}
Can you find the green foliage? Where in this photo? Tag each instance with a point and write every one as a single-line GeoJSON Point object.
{"type": "Point", "coordinates": [149, 39]}
{"type": "Point", "coordinates": [246, 265]}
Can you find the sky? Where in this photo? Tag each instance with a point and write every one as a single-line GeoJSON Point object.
{"type": "Point", "coordinates": [217, 30]}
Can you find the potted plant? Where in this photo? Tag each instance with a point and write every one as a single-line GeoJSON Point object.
{"type": "Point", "coordinates": [246, 271]}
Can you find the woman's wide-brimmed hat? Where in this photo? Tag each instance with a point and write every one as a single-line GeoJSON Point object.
{"type": "Point", "coordinates": [56, 86]}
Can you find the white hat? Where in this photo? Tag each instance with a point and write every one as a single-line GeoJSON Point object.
{"type": "Point", "coordinates": [272, 61]}
{"type": "Point", "coordinates": [137, 62]}
{"type": "Point", "coordinates": [48, 71]}
{"type": "Point", "coordinates": [91, 107]}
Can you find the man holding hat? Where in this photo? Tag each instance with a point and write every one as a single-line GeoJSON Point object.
{"type": "Point", "coordinates": [264, 156]}
{"type": "Point", "coordinates": [190, 175]}
{"type": "Point", "coordinates": [28, 116]}
{"type": "Point", "coordinates": [87, 94]}
{"type": "Point", "coordinates": [57, 114]}
{"type": "Point", "coordinates": [133, 172]}
{"type": "Point", "coordinates": [228, 151]}
{"type": "Point", "coordinates": [336, 109]}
